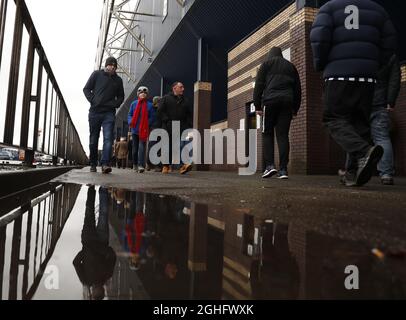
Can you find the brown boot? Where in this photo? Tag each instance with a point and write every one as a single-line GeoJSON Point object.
{"type": "Point", "coordinates": [185, 168]}
{"type": "Point", "coordinates": [165, 169]}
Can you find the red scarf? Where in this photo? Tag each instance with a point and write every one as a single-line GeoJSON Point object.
{"type": "Point", "coordinates": [143, 130]}
{"type": "Point", "coordinates": [136, 228]}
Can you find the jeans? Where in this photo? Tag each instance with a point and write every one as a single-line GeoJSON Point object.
{"type": "Point", "coordinates": [97, 121]}
{"type": "Point", "coordinates": [380, 128]}
{"type": "Point", "coordinates": [138, 151]}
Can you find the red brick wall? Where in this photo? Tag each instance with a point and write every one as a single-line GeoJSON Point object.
{"type": "Point", "coordinates": [312, 149]}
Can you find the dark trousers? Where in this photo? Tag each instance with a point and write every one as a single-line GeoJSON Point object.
{"type": "Point", "coordinates": [121, 163]}
{"type": "Point", "coordinates": [348, 107]}
{"type": "Point", "coordinates": [276, 118]}
{"type": "Point", "coordinates": [138, 151]}
{"type": "Point", "coordinates": [98, 121]}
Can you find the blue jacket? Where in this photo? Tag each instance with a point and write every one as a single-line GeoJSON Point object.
{"type": "Point", "coordinates": [340, 52]}
{"type": "Point", "coordinates": [151, 116]}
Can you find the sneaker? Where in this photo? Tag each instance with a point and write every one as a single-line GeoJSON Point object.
{"type": "Point", "coordinates": [367, 165]}
{"type": "Point", "coordinates": [283, 175]}
{"type": "Point", "coordinates": [165, 169]}
{"type": "Point", "coordinates": [106, 169]}
{"type": "Point", "coordinates": [93, 169]}
{"type": "Point", "coordinates": [387, 180]}
{"type": "Point", "coordinates": [269, 172]}
{"type": "Point", "coordinates": [347, 178]}
{"type": "Point", "coordinates": [141, 169]}
{"type": "Point", "coordinates": [185, 168]}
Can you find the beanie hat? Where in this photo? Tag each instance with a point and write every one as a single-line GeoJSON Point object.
{"type": "Point", "coordinates": [111, 61]}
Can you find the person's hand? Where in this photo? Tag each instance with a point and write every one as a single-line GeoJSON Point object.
{"type": "Point", "coordinates": [389, 108]}
{"type": "Point", "coordinates": [259, 113]}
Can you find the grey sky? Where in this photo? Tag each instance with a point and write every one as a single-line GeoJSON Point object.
{"type": "Point", "coordinates": [69, 31]}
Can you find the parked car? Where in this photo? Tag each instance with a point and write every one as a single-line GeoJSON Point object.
{"type": "Point", "coordinates": [5, 155]}
{"type": "Point", "coordinates": [46, 159]}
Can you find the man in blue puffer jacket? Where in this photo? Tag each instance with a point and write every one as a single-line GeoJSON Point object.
{"type": "Point", "coordinates": [351, 40]}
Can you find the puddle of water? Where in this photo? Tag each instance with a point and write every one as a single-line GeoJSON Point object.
{"type": "Point", "coordinates": [64, 241]}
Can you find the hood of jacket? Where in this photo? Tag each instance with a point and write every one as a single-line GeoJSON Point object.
{"type": "Point", "coordinates": [275, 52]}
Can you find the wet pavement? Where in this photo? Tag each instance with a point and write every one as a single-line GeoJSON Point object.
{"type": "Point", "coordinates": [76, 241]}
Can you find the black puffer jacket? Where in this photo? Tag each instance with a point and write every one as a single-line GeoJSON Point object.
{"type": "Point", "coordinates": [388, 85]}
{"type": "Point", "coordinates": [341, 52]}
{"type": "Point", "coordinates": [277, 82]}
{"type": "Point", "coordinates": [175, 108]}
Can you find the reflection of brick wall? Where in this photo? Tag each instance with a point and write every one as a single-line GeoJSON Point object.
{"type": "Point", "coordinates": [297, 246]}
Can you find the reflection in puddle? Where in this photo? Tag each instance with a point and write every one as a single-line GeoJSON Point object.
{"type": "Point", "coordinates": [117, 244]}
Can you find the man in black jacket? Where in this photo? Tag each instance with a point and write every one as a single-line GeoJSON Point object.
{"type": "Point", "coordinates": [278, 90]}
{"type": "Point", "coordinates": [175, 107]}
{"type": "Point", "coordinates": [350, 41]}
{"type": "Point", "coordinates": [104, 90]}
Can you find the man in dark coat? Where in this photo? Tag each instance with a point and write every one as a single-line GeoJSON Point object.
{"type": "Point", "coordinates": [105, 92]}
{"type": "Point", "coordinates": [278, 90]}
{"type": "Point", "coordinates": [350, 40]}
{"type": "Point", "coordinates": [175, 107]}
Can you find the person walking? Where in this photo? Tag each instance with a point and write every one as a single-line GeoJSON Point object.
{"type": "Point", "coordinates": [122, 153]}
{"type": "Point", "coordinates": [140, 121]}
{"type": "Point", "coordinates": [386, 93]}
{"type": "Point", "coordinates": [105, 92]}
{"type": "Point", "coordinates": [155, 124]}
{"type": "Point", "coordinates": [175, 107]}
{"type": "Point", "coordinates": [350, 56]}
{"type": "Point", "coordinates": [277, 98]}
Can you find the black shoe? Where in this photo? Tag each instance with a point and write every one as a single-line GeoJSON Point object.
{"type": "Point", "coordinates": [106, 169]}
{"type": "Point", "coordinates": [283, 175]}
{"type": "Point", "coordinates": [346, 178]}
{"type": "Point", "coordinates": [367, 165]}
{"type": "Point", "coordinates": [93, 169]}
{"type": "Point", "coordinates": [269, 172]}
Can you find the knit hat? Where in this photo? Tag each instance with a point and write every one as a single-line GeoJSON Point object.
{"type": "Point", "coordinates": [111, 61]}
{"type": "Point", "coordinates": [142, 89]}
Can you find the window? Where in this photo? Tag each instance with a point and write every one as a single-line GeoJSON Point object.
{"type": "Point", "coordinates": [165, 10]}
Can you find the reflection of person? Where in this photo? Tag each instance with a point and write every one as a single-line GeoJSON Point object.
{"type": "Point", "coordinates": [134, 230]}
{"type": "Point", "coordinates": [95, 263]}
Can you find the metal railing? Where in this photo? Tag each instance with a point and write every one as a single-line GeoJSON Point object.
{"type": "Point", "coordinates": [35, 225]}
{"type": "Point", "coordinates": [33, 112]}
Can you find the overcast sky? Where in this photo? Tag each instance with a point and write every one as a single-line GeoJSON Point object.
{"type": "Point", "coordinates": [69, 30]}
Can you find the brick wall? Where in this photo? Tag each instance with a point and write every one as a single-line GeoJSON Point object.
{"type": "Point", "coordinates": [312, 149]}
{"type": "Point", "coordinates": [244, 61]}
